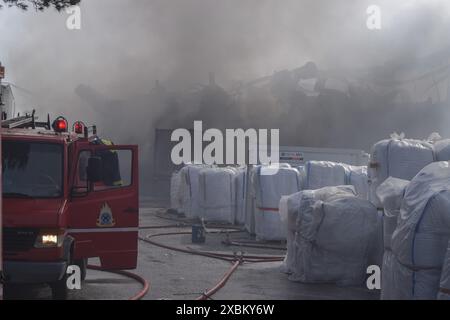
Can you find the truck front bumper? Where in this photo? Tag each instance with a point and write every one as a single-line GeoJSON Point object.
{"type": "Point", "coordinates": [33, 272]}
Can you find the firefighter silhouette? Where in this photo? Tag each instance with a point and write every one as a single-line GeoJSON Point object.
{"type": "Point", "coordinates": [110, 162]}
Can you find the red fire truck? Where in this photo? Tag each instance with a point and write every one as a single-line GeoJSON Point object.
{"type": "Point", "coordinates": [68, 196]}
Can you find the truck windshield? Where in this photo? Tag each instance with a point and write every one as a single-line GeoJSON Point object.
{"type": "Point", "coordinates": [32, 170]}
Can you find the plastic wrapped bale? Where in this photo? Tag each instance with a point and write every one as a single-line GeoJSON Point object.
{"type": "Point", "coordinates": [357, 177]}
{"type": "Point", "coordinates": [176, 202]}
{"type": "Point", "coordinates": [302, 175]}
{"type": "Point", "coordinates": [334, 241]}
{"type": "Point", "coordinates": [442, 150]}
{"type": "Point", "coordinates": [444, 290]}
{"type": "Point", "coordinates": [421, 238]}
{"type": "Point", "coordinates": [269, 184]}
{"type": "Point", "coordinates": [217, 194]}
{"type": "Point", "coordinates": [290, 208]}
{"type": "Point", "coordinates": [398, 158]}
{"type": "Point", "coordinates": [390, 193]}
{"type": "Point", "coordinates": [321, 174]}
{"type": "Point", "coordinates": [240, 183]}
{"type": "Point", "coordinates": [399, 282]}
{"type": "Point", "coordinates": [190, 190]}
{"type": "Point", "coordinates": [396, 281]}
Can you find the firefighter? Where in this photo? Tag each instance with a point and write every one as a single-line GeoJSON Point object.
{"type": "Point", "coordinates": [110, 163]}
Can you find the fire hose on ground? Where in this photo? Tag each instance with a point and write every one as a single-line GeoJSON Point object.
{"type": "Point", "coordinates": [220, 284]}
{"type": "Point", "coordinates": [142, 281]}
{"type": "Point", "coordinates": [235, 258]}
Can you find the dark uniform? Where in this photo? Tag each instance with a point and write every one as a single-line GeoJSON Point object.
{"type": "Point", "coordinates": [110, 162]}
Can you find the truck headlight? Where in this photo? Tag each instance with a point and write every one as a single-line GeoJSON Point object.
{"type": "Point", "coordinates": [49, 239]}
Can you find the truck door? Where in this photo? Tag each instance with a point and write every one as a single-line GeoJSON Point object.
{"type": "Point", "coordinates": [104, 220]}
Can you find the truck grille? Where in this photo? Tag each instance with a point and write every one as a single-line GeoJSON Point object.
{"type": "Point", "coordinates": [18, 239]}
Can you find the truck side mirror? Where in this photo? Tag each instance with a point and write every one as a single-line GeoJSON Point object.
{"type": "Point", "coordinates": [94, 169]}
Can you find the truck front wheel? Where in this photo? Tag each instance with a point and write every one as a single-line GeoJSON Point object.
{"type": "Point", "coordinates": [59, 288]}
{"type": "Point", "coordinates": [82, 264]}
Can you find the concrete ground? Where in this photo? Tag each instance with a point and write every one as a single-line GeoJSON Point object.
{"type": "Point", "coordinates": [181, 276]}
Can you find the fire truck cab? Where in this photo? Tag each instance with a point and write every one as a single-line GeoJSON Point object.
{"type": "Point", "coordinates": [67, 197]}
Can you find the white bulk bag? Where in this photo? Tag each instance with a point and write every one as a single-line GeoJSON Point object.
{"type": "Point", "coordinates": [175, 192]}
{"type": "Point", "coordinates": [396, 281]}
{"type": "Point", "coordinates": [217, 194]}
{"type": "Point", "coordinates": [357, 177]}
{"type": "Point", "coordinates": [390, 193]}
{"type": "Point", "coordinates": [269, 184]}
{"type": "Point", "coordinates": [420, 240]}
{"type": "Point", "coordinates": [291, 207]}
{"type": "Point", "coordinates": [398, 158]}
{"type": "Point", "coordinates": [444, 287]}
{"type": "Point", "coordinates": [399, 282]}
{"type": "Point", "coordinates": [334, 241]}
{"type": "Point", "coordinates": [321, 174]}
{"type": "Point", "coordinates": [302, 175]}
{"type": "Point", "coordinates": [190, 189]}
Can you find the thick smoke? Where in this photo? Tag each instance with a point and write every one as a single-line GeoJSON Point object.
{"type": "Point", "coordinates": [141, 64]}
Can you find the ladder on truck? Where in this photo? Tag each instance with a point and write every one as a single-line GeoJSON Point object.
{"type": "Point", "coordinates": [26, 121]}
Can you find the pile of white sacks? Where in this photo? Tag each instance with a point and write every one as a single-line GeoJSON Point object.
{"type": "Point", "coordinates": [323, 246]}
{"type": "Point", "coordinates": [417, 266]}
{"type": "Point", "coordinates": [218, 194]}
{"type": "Point", "coordinates": [328, 214]}
{"type": "Point", "coordinates": [414, 192]}
{"type": "Point", "coordinates": [210, 193]}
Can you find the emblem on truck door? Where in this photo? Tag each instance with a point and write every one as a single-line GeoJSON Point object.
{"type": "Point", "coordinates": [105, 218]}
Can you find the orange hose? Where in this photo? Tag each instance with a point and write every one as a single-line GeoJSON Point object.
{"type": "Point", "coordinates": [221, 283]}
{"type": "Point", "coordinates": [234, 258]}
{"type": "Point", "coordinates": [222, 256]}
{"type": "Point", "coordinates": [145, 284]}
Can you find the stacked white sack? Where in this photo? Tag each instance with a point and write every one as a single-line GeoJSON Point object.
{"type": "Point", "coordinates": [250, 216]}
{"type": "Point", "coordinates": [269, 184]}
{"type": "Point", "coordinates": [320, 174]}
{"type": "Point", "coordinates": [444, 290]}
{"type": "Point", "coordinates": [391, 193]}
{"type": "Point", "coordinates": [302, 175]}
{"type": "Point", "coordinates": [176, 202]}
{"type": "Point", "coordinates": [398, 158]}
{"type": "Point", "coordinates": [240, 183]}
{"type": "Point", "coordinates": [217, 194]}
{"type": "Point", "coordinates": [334, 239]}
{"type": "Point", "coordinates": [357, 177]}
{"type": "Point", "coordinates": [190, 189]}
{"type": "Point", "coordinates": [290, 208]}
{"type": "Point", "coordinates": [420, 241]}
